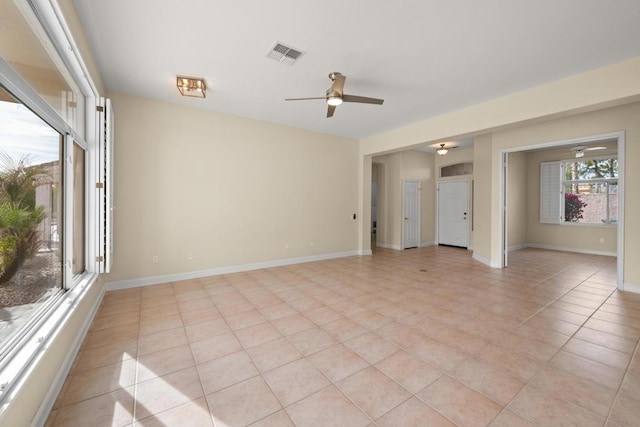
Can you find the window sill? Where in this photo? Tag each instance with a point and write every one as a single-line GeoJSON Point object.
{"type": "Point", "coordinates": [589, 224]}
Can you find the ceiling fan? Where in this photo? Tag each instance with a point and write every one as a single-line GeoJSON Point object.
{"type": "Point", "coordinates": [580, 149]}
{"type": "Point", "coordinates": [335, 95]}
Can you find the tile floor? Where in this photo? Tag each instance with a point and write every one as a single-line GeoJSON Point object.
{"type": "Point", "coordinates": [424, 337]}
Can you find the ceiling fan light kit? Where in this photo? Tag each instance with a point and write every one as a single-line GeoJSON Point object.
{"type": "Point", "coordinates": [442, 151]}
{"type": "Point", "coordinates": [335, 96]}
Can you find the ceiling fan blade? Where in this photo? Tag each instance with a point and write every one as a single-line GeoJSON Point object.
{"type": "Point", "coordinates": [330, 110]}
{"type": "Point", "coordinates": [305, 99]}
{"type": "Point", "coordinates": [338, 83]}
{"type": "Point", "coordinates": [362, 99]}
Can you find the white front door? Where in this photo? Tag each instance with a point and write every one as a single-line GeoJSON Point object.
{"type": "Point", "coordinates": [453, 213]}
{"type": "Point", "coordinates": [411, 214]}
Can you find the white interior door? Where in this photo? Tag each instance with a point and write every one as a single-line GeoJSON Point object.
{"type": "Point", "coordinates": [453, 213]}
{"type": "Point", "coordinates": [411, 214]}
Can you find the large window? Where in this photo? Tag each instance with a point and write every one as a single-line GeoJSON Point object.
{"type": "Point", "coordinates": [591, 191]}
{"type": "Point", "coordinates": [30, 214]}
{"type": "Point", "coordinates": [43, 175]}
{"type": "Point", "coordinates": [581, 191]}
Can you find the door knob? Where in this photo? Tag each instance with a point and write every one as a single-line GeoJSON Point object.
{"type": "Point", "coordinates": [406, 218]}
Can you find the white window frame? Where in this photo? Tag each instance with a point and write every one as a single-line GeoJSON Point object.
{"type": "Point", "coordinates": [31, 342]}
{"type": "Point", "coordinates": [552, 192]}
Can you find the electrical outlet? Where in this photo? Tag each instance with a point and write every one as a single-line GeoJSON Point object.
{"type": "Point", "coordinates": [154, 259]}
{"type": "Point", "coordinates": [602, 240]}
{"type": "Point", "coordinates": [311, 243]}
{"type": "Point", "coordinates": [189, 255]}
{"type": "Point", "coordinates": [286, 246]}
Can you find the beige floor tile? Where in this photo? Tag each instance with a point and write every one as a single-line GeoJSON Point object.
{"type": "Point", "coordinates": [273, 354]}
{"type": "Point", "coordinates": [338, 362]}
{"type": "Point", "coordinates": [206, 329]}
{"type": "Point", "coordinates": [312, 340]}
{"type": "Point", "coordinates": [109, 335]}
{"type": "Point", "coordinates": [372, 347]}
{"type": "Point", "coordinates": [111, 409]}
{"type": "Point", "coordinates": [370, 319]}
{"type": "Point", "coordinates": [160, 394]}
{"type": "Point", "coordinates": [195, 413]}
{"type": "Point", "coordinates": [279, 419]}
{"type": "Point", "coordinates": [588, 369]}
{"type": "Point", "coordinates": [98, 381]}
{"type": "Point", "coordinates": [322, 315]}
{"type": "Point", "coordinates": [277, 311]}
{"type": "Point", "coordinates": [245, 319]}
{"type": "Point", "coordinates": [326, 408]}
{"type": "Point", "coordinates": [437, 354]}
{"type": "Point", "coordinates": [164, 362]}
{"type": "Point", "coordinates": [626, 411]}
{"type": "Point", "coordinates": [257, 334]}
{"type": "Point", "coordinates": [507, 361]}
{"type": "Point", "coordinates": [291, 324]}
{"type": "Point", "coordinates": [191, 317]}
{"type": "Point", "coordinates": [295, 381]}
{"type": "Point", "coordinates": [507, 418]}
{"type": "Point", "coordinates": [457, 315]}
{"type": "Point", "coordinates": [153, 311]}
{"type": "Point", "coordinates": [459, 403]}
{"type": "Point", "coordinates": [604, 355]}
{"type": "Point", "coordinates": [488, 380]}
{"type": "Point", "coordinates": [408, 371]}
{"type": "Point", "coordinates": [544, 409]}
{"type": "Point", "coordinates": [215, 347]}
{"type": "Point", "coordinates": [344, 329]}
{"type": "Point", "coordinates": [225, 371]}
{"type": "Point", "coordinates": [606, 340]}
{"type": "Point", "coordinates": [373, 392]}
{"type": "Point", "coordinates": [243, 403]}
{"type": "Point", "coordinates": [413, 413]}
{"type": "Point", "coordinates": [161, 341]}
{"type": "Point", "coordinates": [107, 354]}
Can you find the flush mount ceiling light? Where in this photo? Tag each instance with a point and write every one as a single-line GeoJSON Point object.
{"type": "Point", "coordinates": [191, 86]}
{"type": "Point", "coordinates": [442, 151]}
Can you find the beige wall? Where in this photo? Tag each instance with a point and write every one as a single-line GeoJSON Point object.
{"type": "Point", "coordinates": [484, 203]}
{"type": "Point", "coordinates": [518, 196]}
{"type": "Point", "coordinates": [581, 237]}
{"type": "Point", "coordinates": [228, 190]}
{"type": "Point", "coordinates": [607, 86]}
{"type": "Point", "coordinates": [392, 170]}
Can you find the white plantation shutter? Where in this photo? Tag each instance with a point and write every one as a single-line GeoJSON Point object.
{"type": "Point", "coordinates": [551, 193]}
{"type": "Point", "coordinates": [105, 196]}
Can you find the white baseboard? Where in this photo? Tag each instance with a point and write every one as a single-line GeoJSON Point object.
{"type": "Point", "coordinates": [569, 249]}
{"type": "Point", "coordinates": [365, 252]}
{"type": "Point", "coordinates": [485, 261]}
{"type": "Point", "coordinates": [387, 246]}
{"type": "Point", "coordinates": [631, 287]}
{"type": "Point", "coordinates": [425, 244]}
{"type": "Point", "coordinates": [517, 247]}
{"type": "Point", "coordinates": [40, 418]}
{"type": "Point", "coordinates": [153, 280]}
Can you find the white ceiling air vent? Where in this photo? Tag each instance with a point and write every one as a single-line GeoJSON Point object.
{"type": "Point", "coordinates": [284, 54]}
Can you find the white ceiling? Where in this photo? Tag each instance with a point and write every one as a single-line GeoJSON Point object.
{"type": "Point", "coordinates": [424, 57]}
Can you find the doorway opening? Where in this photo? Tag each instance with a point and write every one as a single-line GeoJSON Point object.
{"type": "Point", "coordinates": [564, 191]}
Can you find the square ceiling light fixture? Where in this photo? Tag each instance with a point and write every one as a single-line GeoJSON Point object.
{"type": "Point", "coordinates": [191, 86]}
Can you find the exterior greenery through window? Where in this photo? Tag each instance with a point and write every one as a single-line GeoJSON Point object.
{"type": "Point", "coordinates": [591, 191]}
